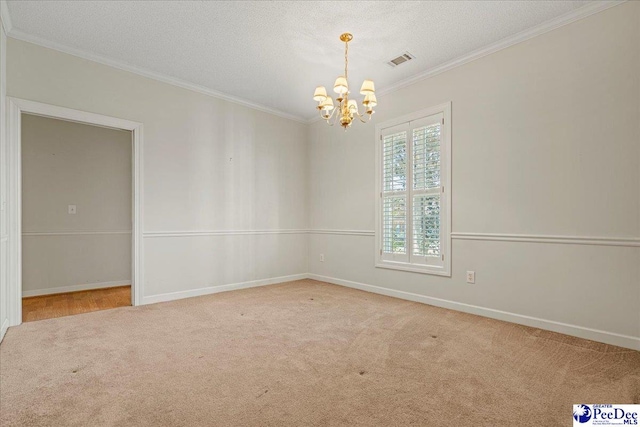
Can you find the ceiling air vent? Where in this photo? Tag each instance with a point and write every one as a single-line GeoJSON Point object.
{"type": "Point", "coordinates": [401, 59]}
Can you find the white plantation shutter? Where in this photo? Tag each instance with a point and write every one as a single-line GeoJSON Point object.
{"type": "Point", "coordinates": [395, 161]}
{"type": "Point", "coordinates": [426, 225]}
{"type": "Point", "coordinates": [394, 197]}
{"type": "Point", "coordinates": [426, 194]}
{"type": "Point", "coordinates": [413, 229]}
{"type": "Point", "coordinates": [394, 240]}
{"type": "Point", "coordinates": [426, 157]}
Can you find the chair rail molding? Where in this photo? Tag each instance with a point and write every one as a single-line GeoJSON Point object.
{"type": "Point", "coordinates": [202, 233]}
{"type": "Point", "coordinates": [74, 233]}
{"type": "Point", "coordinates": [343, 232]}
{"type": "Point", "coordinates": [505, 237]}
{"type": "Point", "coordinates": [543, 238]}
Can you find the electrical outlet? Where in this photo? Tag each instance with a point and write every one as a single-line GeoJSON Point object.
{"type": "Point", "coordinates": [321, 257]}
{"type": "Point", "coordinates": [471, 277]}
{"type": "Point", "coordinates": [72, 209]}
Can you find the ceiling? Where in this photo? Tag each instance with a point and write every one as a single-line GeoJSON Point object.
{"type": "Point", "coordinates": [273, 54]}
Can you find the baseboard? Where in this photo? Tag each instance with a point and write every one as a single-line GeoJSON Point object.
{"type": "Point", "coordinates": [171, 296]}
{"type": "Point", "coordinates": [75, 288]}
{"type": "Point", "coordinates": [550, 325]}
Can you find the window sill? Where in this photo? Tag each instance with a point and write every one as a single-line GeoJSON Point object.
{"type": "Point", "coordinates": [414, 268]}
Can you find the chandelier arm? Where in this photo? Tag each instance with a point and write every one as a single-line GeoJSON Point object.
{"type": "Point", "coordinates": [359, 116]}
{"type": "Point", "coordinates": [330, 115]}
{"type": "Point", "coordinates": [335, 119]}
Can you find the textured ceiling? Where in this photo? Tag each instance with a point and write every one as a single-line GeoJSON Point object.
{"type": "Point", "coordinates": [275, 53]}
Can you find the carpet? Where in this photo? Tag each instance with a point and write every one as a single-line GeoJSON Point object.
{"type": "Point", "coordinates": [302, 353]}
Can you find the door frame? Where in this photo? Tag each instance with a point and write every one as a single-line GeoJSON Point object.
{"type": "Point", "coordinates": [15, 108]}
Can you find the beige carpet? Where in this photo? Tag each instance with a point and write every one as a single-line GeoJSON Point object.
{"type": "Point", "coordinates": [303, 353]}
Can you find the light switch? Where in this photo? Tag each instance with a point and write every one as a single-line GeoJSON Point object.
{"type": "Point", "coordinates": [72, 209]}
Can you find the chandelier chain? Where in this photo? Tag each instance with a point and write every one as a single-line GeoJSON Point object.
{"type": "Point", "coordinates": [346, 59]}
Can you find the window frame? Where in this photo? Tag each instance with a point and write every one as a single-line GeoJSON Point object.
{"type": "Point", "coordinates": [404, 263]}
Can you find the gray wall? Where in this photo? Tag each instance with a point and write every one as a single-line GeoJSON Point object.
{"type": "Point", "coordinates": [225, 198]}
{"type": "Point", "coordinates": [66, 163]}
{"type": "Point", "coordinates": [546, 141]}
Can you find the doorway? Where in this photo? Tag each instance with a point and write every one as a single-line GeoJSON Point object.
{"type": "Point", "coordinates": [63, 222]}
{"type": "Point", "coordinates": [76, 217]}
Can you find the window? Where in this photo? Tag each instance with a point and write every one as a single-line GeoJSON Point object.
{"type": "Point", "coordinates": [413, 215]}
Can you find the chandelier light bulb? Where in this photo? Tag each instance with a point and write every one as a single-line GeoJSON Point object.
{"type": "Point", "coordinates": [327, 104]}
{"type": "Point", "coordinates": [370, 100]}
{"type": "Point", "coordinates": [367, 88]}
{"type": "Point", "coordinates": [341, 86]}
{"type": "Point", "coordinates": [320, 94]}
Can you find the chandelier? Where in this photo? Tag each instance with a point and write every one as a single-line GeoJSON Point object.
{"type": "Point", "coordinates": [347, 109]}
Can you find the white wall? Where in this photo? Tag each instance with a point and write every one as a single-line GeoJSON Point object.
{"type": "Point", "coordinates": [67, 163]}
{"type": "Point", "coordinates": [209, 166]}
{"type": "Point", "coordinates": [546, 141]}
{"type": "Point", "coordinates": [4, 304]}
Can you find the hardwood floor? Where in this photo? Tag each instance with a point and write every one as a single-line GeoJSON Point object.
{"type": "Point", "coordinates": [58, 305]}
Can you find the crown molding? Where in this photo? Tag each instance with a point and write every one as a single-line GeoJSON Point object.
{"type": "Point", "coordinates": [545, 27]}
{"type": "Point", "coordinates": [4, 16]}
{"type": "Point", "coordinates": [20, 35]}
